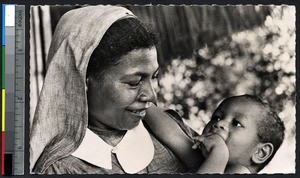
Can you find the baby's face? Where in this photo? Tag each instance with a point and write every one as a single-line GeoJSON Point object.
{"type": "Point", "coordinates": [235, 120]}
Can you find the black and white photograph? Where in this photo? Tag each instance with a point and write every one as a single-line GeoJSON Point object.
{"type": "Point", "coordinates": [162, 89]}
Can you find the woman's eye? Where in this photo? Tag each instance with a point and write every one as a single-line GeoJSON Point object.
{"type": "Point", "coordinates": [134, 83]}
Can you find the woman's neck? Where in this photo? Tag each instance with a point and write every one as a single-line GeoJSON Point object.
{"type": "Point", "coordinates": [110, 135]}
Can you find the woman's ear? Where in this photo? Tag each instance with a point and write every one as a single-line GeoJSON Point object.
{"type": "Point", "coordinates": [263, 152]}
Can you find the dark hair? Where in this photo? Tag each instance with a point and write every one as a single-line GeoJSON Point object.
{"type": "Point", "coordinates": [122, 37]}
{"type": "Point", "coordinates": [270, 129]}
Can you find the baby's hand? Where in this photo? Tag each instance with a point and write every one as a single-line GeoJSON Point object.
{"type": "Point", "coordinates": [211, 144]}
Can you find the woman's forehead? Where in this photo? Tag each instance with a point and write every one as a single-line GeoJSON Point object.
{"type": "Point", "coordinates": [138, 62]}
{"type": "Point", "coordinates": [145, 57]}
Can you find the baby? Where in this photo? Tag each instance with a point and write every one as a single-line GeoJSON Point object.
{"type": "Point", "coordinates": [242, 136]}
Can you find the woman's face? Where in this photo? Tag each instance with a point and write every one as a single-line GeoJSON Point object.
{"type": "Point", "coordinates": [121, 97]}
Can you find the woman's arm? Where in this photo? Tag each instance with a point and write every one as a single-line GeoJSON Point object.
{"type": "Point", "coordinates": [170, 133]}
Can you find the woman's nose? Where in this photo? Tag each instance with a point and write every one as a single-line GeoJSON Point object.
{"type": "Point", "coordinates": [148, 94]}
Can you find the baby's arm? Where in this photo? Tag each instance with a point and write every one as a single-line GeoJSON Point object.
{"type": "Point", "coordinates": [237, 169]}
{"type": "Point", "coordinates": [216, 154]}
{"type": "Point", "coordinates": [170, 133]}
{"type": "Point", "coordinates": [215, 151]}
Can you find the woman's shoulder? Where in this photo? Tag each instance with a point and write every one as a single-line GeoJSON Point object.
{"type": "Point", "coordinates": [66, 165]}
{"type": "Point", "coordinates": [72, 165]}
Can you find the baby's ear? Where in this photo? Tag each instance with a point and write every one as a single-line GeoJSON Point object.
{"type": "Point", "coordinates": [263, 152]}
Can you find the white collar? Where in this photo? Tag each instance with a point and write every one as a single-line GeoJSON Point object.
{"type": "Point", "coordinates": [134, 152]}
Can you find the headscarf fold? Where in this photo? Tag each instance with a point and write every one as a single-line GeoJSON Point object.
{"type": "Point", "coordinates": [61, 116]}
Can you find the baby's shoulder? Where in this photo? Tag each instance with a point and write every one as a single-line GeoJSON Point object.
{"type": "Point", "coordinates": [237, 169]}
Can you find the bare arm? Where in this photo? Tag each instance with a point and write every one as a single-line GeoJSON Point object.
{"type": "Point", "coordinates": [237, 169]}
{"type": "Point", "coordinates": [215, 152]}
{"type": "Point", "coordinates": [170, 133]}
{"type": "Point", "coordinates": [216, 155]}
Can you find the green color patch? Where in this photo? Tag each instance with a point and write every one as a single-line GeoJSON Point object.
{"type": "Point", "coordinates": [3, 67]}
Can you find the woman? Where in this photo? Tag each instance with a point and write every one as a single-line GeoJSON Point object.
{"type": "Point", "coordinates": [102, 65]}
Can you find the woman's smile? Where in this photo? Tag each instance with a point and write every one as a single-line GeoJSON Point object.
{"type": "Point", "coordinates": [141, 113]}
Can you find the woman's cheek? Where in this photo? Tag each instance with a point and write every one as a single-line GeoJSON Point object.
{"type": "Point", "coordinates": [124, 95]}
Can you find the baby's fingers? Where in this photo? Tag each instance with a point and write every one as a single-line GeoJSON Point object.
{"type": "Point", "coordinates": [196, 145]}
{"type": "Point", "coordinates": [198, 140]}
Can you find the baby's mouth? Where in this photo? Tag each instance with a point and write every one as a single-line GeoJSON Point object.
{"type": "Point", "coordinates": [219, 132]}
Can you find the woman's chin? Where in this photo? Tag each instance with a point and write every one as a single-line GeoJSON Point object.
{"type": "Point", "coordinates": [132, 125]}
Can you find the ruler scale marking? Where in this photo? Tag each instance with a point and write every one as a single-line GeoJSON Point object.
{"type": "Point", "coordinates": [19, 90]}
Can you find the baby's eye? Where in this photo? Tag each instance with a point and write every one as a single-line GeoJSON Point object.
{"type": "Point", "coordinates": [237, 123]}
{"type": "Point", "coordinates": [216, 118]}
{"type": "Point", "coordinates": [155, 77]}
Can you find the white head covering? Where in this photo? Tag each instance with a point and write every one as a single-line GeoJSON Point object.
{"type": "Point", "coordinates": [61, 116]}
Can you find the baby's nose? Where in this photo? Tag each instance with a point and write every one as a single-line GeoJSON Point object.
{"type": "Point", "coordinates": [221, 128]}
{"type": "Point", "coordinates": [220, 125]}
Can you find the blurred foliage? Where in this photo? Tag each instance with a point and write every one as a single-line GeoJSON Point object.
{"type": "Point", "coordinates": [181, 28]}
{"type": "Point", "coordinates": [260, 62]}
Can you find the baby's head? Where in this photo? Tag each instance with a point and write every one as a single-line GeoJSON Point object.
{"type": "Point", "coordinates": [253, 132]}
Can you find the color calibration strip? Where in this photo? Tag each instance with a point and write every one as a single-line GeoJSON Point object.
{"type": "Point", "coordinates": [13, 89]}
{"type": "Point", "coordinates": [3, 90]}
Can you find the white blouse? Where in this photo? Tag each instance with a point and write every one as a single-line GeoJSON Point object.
{"type": "Point", "coordinates": [134, 152]}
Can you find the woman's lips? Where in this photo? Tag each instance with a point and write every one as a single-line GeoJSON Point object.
{"type": "Point", "coordinates": [139, 112]}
